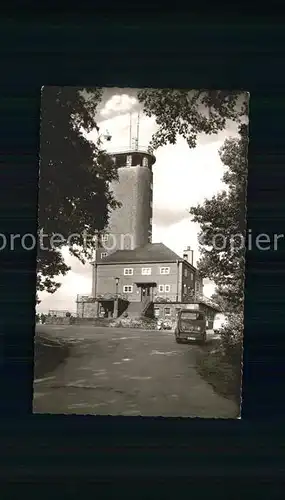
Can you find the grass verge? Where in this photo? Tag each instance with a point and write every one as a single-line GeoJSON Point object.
{"type": "Point", "coordinates": [221, 372]}
{"type": "Point", "coordinates": [48, 354]}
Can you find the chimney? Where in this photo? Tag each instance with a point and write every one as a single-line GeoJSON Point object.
{"type": "Point", "coordinates": [188, 255]}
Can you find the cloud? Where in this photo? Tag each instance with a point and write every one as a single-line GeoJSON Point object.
{"type": "Point", "coordinates": [167, 216]}
{"type": "Point", "coordinates": [75, 264]}
{"type": "Point", "coordinates": [65, 297]}
{"type": "Point", "coordinates": [207, 281]}
{"type": "Point", "coordinates": [118, 104]}
{"type": "Point", "coordinates": [178, 236]}
{"type": "Point", "coordinates": [209, 289]}
{"type": "Point", "coordinates": [119, 128]}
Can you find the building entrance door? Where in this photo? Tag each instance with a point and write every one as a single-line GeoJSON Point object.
{"type": "Point", "coordinates": [145, 291]}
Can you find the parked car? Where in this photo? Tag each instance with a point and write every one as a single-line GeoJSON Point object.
{"type": "Point", "coordinates": [191, 326]}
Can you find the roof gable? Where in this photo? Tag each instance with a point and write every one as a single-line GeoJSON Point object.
{"type": "Point", "coordinates": [152, 252]}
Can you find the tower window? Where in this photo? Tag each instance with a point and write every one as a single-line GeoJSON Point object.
{"type": "Point", "coordinates": [145, 162]}
{"type": "Point", "coordinates": [129, 160]}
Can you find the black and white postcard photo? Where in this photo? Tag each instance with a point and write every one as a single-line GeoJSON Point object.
{"type": "Point", "coordinates": [141, 252]}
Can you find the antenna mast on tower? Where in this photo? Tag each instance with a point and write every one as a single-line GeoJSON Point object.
{"type": "Point", "coordinates": [130, 130]}
{"type": "Point", "coordinates": [134, 140]}
{"type": "Point", "coordinates": [138, 131]}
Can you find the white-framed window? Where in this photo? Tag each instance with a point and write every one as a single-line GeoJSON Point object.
{"type": "Point", "coordinates": [167, 311]}
{"type": "Point", "coordinates": [104, 238]}
{"type": "Point", "coordinates": [127, 288]}
{"type": "Point", "coordinates": [167, 288]}
{"type": "Point", "coordinates": [161, 288]}
{"type": "Point", "coordinates": [191, 276]}
{"type": "Point", "coordinates": [156, 312]}
{"type": "Point", "coordinates": [146, 271]}
{"type": "Point", "coordinates": [164, 270]}
{"type": "Point", "coordinates": [185, 272]}
{"type": "Point", "coordinates": [104, 254]}
{"type": "Point", "coordinates": [128, 271]}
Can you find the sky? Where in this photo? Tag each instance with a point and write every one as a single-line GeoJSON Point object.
{"type": "Point", "coordinates": [182, 177]}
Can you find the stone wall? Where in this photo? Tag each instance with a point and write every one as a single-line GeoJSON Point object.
{"type": "Point", "coordinates": [168, 311]}
{"type": "Point", "coordinates": [58, 320]}
{"type": "Point", "coordinates": [87, 309]}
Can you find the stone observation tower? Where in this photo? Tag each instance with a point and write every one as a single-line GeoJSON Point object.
{"type": "Point", "coordinates": [130, 226]}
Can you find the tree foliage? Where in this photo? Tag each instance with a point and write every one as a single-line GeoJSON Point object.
{"type": "Point", "coordinates": [187, 113]}
{"type": "Point", "coordinates": [222, 223]}
{"type": "Point", "coordinates": [74, 193]}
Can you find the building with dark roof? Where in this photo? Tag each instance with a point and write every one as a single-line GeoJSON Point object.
{"type": "Point", "coordinates": [131, 274]}
{"type": "Point", "coordinates": [152, 270]}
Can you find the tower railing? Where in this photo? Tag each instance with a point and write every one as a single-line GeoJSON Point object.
{"type": "Point", "coordinates": [125, 149]}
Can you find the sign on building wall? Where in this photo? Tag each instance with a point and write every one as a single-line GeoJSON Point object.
{"type": "Point", "coordinates": [191, 307]}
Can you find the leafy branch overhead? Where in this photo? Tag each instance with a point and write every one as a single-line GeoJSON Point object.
{"type": "Point", "coordinates": [74, 182]}
{"type": "Point", "coordinates": [188, 113]}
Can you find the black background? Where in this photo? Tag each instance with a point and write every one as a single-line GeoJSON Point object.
{"type": "Point", "coordinates": [65, 456]}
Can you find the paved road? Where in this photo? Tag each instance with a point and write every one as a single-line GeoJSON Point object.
{"type": "Point", "coordinates": [127, 372]}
